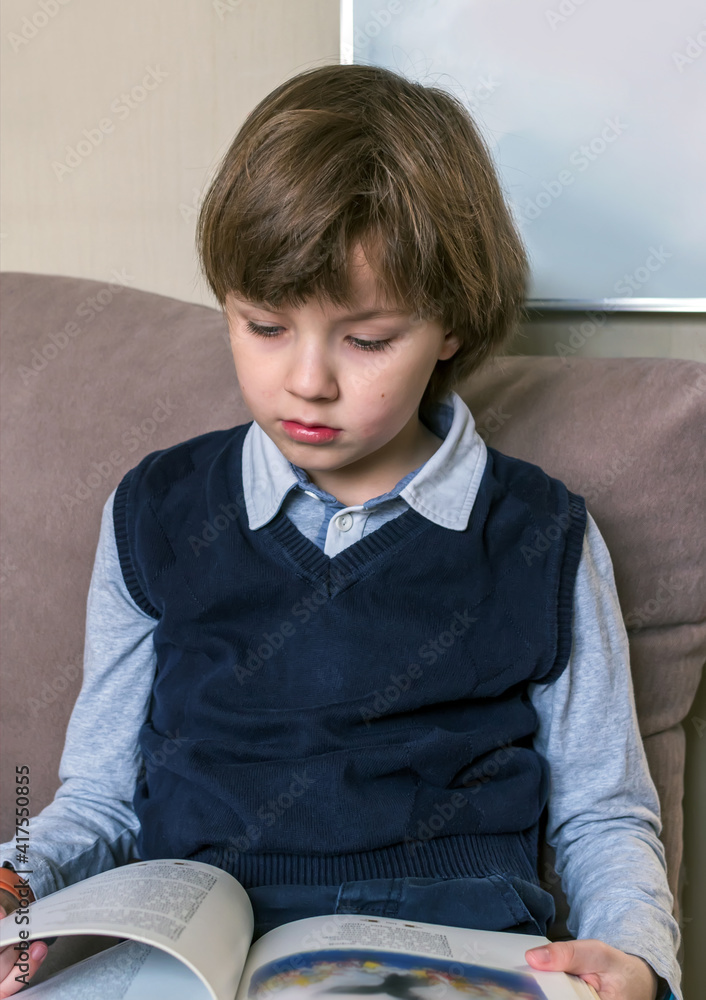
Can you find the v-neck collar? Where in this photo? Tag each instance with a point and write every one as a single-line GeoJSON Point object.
{"type": "Point", "coordinates": [443, 489]}
{"type": "Point", "coordinates": [333, 574]}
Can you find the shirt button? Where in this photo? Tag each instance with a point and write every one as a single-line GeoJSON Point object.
{"type": "Point", "coordinates": [344, 522]}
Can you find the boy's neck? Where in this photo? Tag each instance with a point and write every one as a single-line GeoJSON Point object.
{"type": "Point", "coordinates": [353, 485]}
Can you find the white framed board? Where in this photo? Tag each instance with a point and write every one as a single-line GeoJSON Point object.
{"type": "Point", "coordinates": [595, 115]}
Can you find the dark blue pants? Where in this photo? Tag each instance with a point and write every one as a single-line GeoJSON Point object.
{"type": "Point", "coordinates": [494, 903]}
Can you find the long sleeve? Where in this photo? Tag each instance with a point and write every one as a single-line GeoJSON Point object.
{"type": "Point", "coordinates": [603, 812]}
{"type": "Point", "coordinates": [90, 826]}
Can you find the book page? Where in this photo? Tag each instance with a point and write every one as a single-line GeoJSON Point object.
{"type": "Point", "coordinates": [192, 911]}
{"type": "Point", "coordinates": [350, 956]}
{"type": "Point", "coordinates": [129, 971]}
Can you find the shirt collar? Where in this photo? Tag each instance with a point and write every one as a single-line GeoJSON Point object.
{"type": "Point", "coordinates": [443, 489]}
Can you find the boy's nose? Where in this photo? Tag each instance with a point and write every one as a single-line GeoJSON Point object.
{"type": "Point", "coordinates": [310, 372]}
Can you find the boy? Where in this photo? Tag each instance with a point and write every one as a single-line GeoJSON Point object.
{"type": "Point", "coordinates": [359, 689]}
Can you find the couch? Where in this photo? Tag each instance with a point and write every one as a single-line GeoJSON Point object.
{"type": "Point", "coordinates": [97, 374]}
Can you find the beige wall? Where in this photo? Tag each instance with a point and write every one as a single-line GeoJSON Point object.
{"type": "Point", "coordinates": [161, 87]}
{"type": "Point", "coordinates": [127, 206]}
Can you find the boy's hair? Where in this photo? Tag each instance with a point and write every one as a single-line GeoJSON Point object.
{"type": "Point", "coordinates": [344, 155]}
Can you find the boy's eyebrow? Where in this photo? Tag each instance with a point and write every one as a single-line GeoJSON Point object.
{"type": "Point", "coordinates": [366, 314]}
{"type": "Point", "coordinates": [371, 313]}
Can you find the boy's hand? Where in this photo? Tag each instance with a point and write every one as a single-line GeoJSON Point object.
{"type": "Point", "coordinates": [612, 973]}
{"type": "Point", "coordinates": [8, 955]}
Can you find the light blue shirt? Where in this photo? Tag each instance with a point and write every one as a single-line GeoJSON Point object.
{"type": "Point", "coordinates": [603, 811]}
{"type": "Point", "coordinates": [442, 489]}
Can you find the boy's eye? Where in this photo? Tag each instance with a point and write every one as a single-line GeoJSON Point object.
{"type": "Point", "coordinates": [361, 345]}
{"type": "Point", "coordinates": [262, 331]}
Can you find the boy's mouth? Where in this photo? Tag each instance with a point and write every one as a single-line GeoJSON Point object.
{"type": "Point", "coordinates": [311, 433]}
{"type": "Point", "coordinates": [304, 423]}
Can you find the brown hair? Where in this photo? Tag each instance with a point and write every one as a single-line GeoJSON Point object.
{"type": "Point", "coordinates": [352, 154]}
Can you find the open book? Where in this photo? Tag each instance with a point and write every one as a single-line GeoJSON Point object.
{"type": "Point", "coordinates": [188, 931]}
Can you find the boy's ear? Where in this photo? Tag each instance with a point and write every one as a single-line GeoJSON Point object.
{"type": "Point", "coordinates": [451, 344]}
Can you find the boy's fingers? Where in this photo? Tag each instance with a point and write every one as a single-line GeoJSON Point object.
{"type": "Point", "coordinates": [38, 950]}
{"type": "Point", "coordinates": [9, 971]}
{"type": "Point", "coordinates": [7, 960]}
{"type": "Point", "coordinates": [576, 957]}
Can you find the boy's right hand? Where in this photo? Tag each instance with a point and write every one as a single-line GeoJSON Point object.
{"type": "Point", "coordinates": [9, 954]}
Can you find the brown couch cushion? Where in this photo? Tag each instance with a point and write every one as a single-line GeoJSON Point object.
{"type": "Point", "coordinates": [134, 371]}
{"type": "Point", "coordinates": [628, 435]}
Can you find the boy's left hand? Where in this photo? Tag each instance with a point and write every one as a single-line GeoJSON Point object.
{"type": "Point", "coordinates": [612, 973]}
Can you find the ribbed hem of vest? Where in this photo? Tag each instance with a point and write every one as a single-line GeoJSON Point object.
{"type": "Point", "coordinates": [567, 582]}
{"type": "Point", "coordinates": [462, 856]}
{"type": "Point", "coordinates": [123, 547]}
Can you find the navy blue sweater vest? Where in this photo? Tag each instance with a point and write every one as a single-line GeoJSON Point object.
{"type": "Point", "coordinates": [318, 720]}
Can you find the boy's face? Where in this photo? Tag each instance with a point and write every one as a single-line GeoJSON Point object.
{"type": "Point", "coordinates": [316, 367]}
